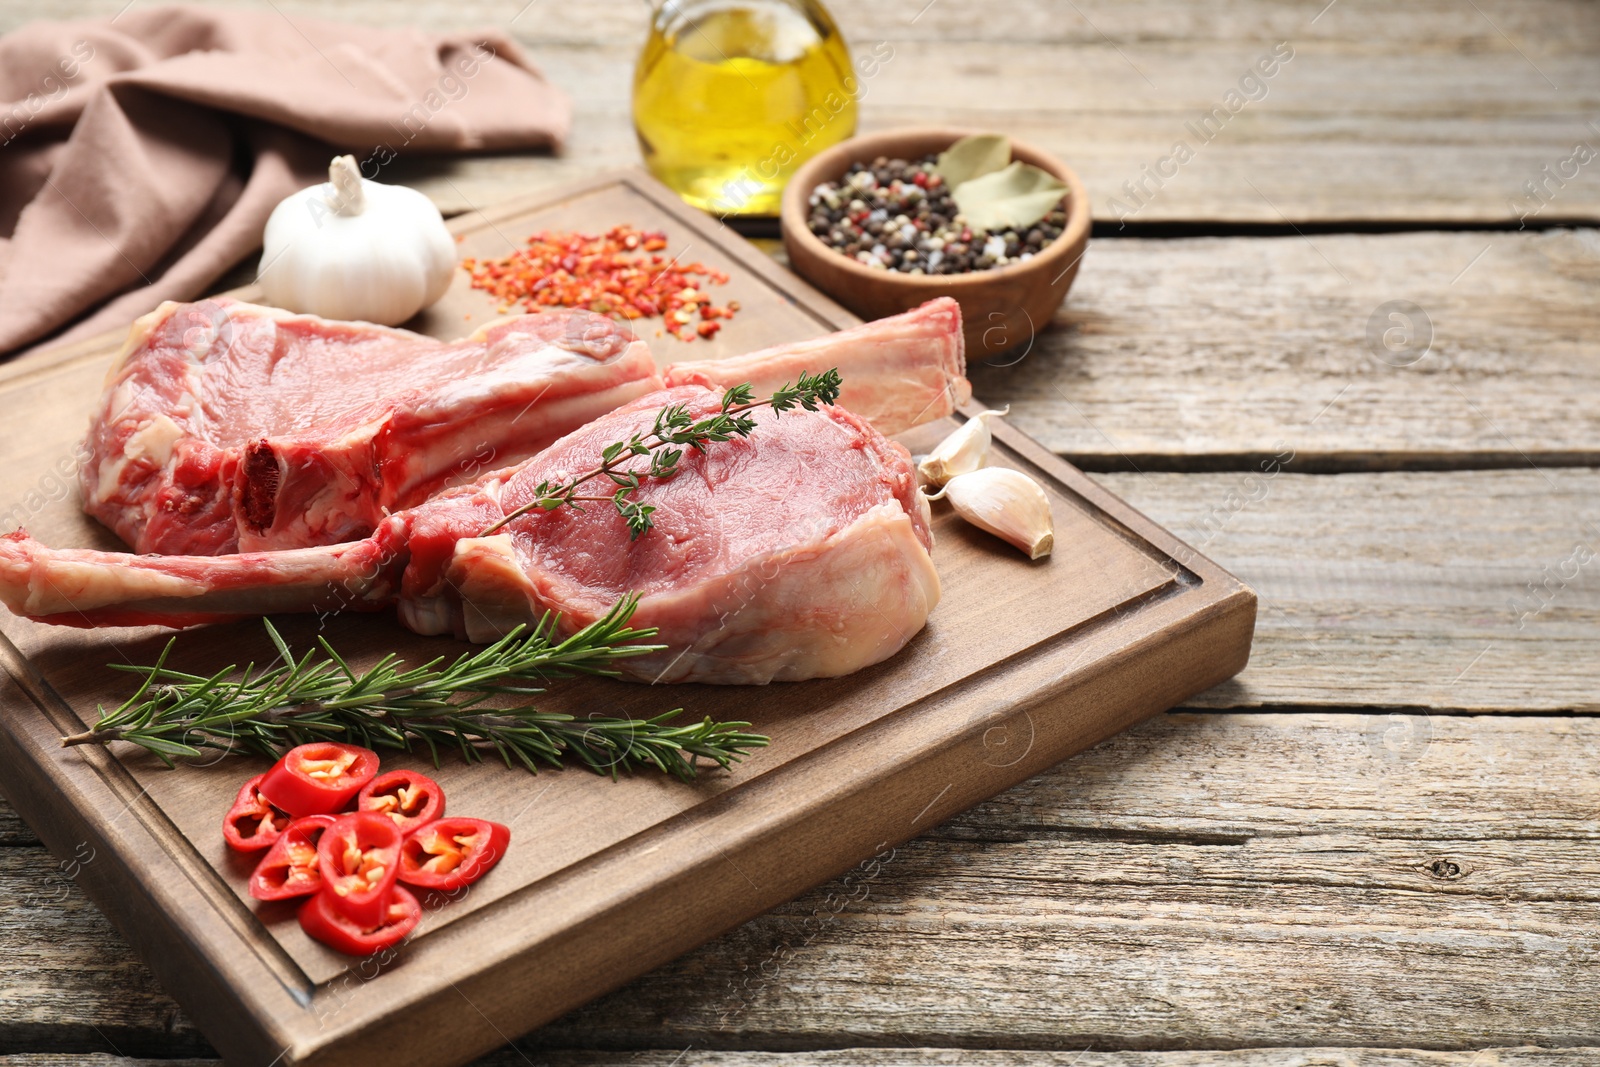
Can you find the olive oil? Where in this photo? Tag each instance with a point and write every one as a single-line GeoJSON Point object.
{"type": "Point", "coordinates": [731, 96]}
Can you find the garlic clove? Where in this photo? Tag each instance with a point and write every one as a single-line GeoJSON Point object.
{"type": "Point", "coordinates": [1006, 503]}
{"type": "Point", "coordinates": [962, 451]}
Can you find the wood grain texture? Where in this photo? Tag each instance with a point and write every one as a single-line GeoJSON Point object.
{"type": "Point", "coordinates": [1527, 1056]}
{"type": "Point", "coordinates": [1464, 590]}
{"type": "Point", "coordinates": [1399, 112]}
{"type": "Point", "coordinates": [71, 981]}
{"type": "Point", "coordinates": [1225, 351]}
{"type": "Point", "coordinates": [1310, 842]}
{"type": "Point", "coordinates": [1351, 894]}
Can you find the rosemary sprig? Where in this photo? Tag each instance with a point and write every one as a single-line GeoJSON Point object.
{"type": "Point", "coordinates": [438, 705]}
{"type": "Point", "coordinates": [674, 426]}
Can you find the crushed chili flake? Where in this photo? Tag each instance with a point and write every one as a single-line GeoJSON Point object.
{"type": "Point", "coordinates": [622, 274]}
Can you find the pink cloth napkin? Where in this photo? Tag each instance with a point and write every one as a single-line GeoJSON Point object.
{"type": "Point", "coordinates": [140, 157]}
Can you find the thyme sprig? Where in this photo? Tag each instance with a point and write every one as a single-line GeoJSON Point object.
{"type": "Point", "coordinates": [438, 705]}
{"type": "Point", "coordinates": [674, 426]}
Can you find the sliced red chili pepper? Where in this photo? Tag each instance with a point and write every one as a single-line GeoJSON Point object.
{"type": "Point", "coordinates": [290, 868]}
{"type": "Point", "coordinates": [409, 798]}
{"type": "Point", "coordinates": [320, 918]}
{"type": "Point", "coordinates": [451, 853]}
{"type": "Point", "coordinates": [359, 856]}
{"type": "Point", "coordinates": [253, 823]}
{"type": "Point", "coordinates": [319, 778]}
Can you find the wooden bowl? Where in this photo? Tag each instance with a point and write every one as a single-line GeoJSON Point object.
{"type": "Point", "coordinates": [1000, 308]}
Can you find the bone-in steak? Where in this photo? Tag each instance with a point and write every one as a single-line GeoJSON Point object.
{"type": "Point", "coordinates": [231, 427]}
{"type": "Point", "coordinates": [799, 552]}
{"type": "Point", "coordinates": [227, 426]}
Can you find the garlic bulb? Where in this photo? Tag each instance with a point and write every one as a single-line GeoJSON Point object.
{"type": "Point", "coordinates": [1007, 503]}
{"type": "Point", "coordinates": [962, 451]}
{"type": "Point", "coordinates": [354, 249]}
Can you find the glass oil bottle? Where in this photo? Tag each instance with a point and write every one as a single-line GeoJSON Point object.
{"type": "Point", "coordinates": [731, 96]}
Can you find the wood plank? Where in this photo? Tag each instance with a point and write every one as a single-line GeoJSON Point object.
{"type": "Point", "coordinates": [71, 980]}
{"type": "Point", "coordinates": [1403, 590]}
{"type": "Point", "coordinates": [1154, 339]}
{"type": "Point", "coordinates": [1349, 896]}
{"type": "Point", "coordinates": [1158, 339]}
{"type": "Point", "coordinates": [1387, 112]}
{"type": "Point", "coordinates": [1489, 793]}
{"type": "Point", "coordinates": [13, 831]}
{"type": "Point", "coordinates": [1034, 948]}
{"type": "Point", "coordinates": [935, 1057]}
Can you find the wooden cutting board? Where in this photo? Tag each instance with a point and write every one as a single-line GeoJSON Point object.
{"type": "Point", "coordinates": [1021, 665]}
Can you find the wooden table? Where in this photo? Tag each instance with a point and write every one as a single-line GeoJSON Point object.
{"type": "Point", "coordinates": [1383, 837]}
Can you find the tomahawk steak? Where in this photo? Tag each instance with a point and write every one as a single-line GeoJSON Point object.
{"type": "Point", "coordinates": [227, 427]}
{"type": "Point", "coordinates": [801, 551]}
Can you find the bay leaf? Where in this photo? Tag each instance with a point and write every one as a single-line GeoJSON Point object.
{"type": "Point", "coordinates": [1010, 199]}
{"type": "Point", "coordinates": [973, 157]}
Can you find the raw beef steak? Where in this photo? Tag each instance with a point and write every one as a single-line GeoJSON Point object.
{"type": "Point", "coordinates": [227, 426]}
{"type": "Point", "coordinates": [799, 552]}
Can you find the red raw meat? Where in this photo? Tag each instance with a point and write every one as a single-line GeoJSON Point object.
{"type": "Point", "coordinates": [799, 552]}
{"type": "Point", "coordinates": [229, 427]}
